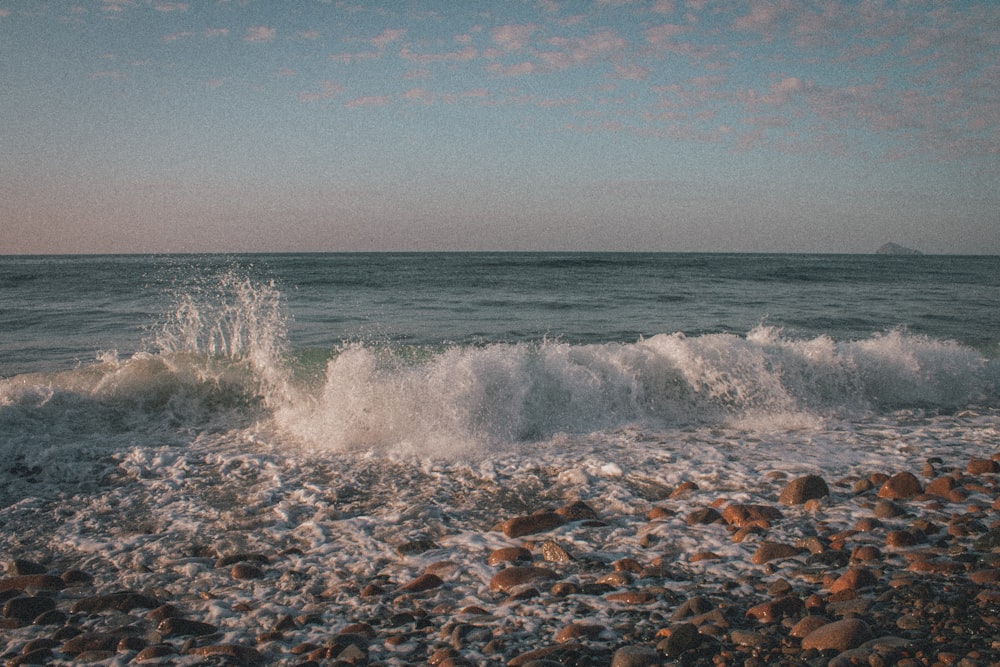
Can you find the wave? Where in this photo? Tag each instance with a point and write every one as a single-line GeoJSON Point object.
{"type": "Point", "coordinates": [220, 362]}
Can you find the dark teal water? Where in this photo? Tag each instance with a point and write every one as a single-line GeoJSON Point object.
{"type": "Point", "coordinates": [59, 311]}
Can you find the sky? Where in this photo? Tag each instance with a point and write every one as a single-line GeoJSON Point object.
{"type": "Point", "coordinates": [656, 125]}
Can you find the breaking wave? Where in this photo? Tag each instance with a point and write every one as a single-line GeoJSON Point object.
{"type": "Point", "coordinates": [220, 362]}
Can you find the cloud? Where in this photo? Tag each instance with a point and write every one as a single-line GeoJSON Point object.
{"type": "Point", "coordinates": [348, 58]}
{"type": "Point", "coordinates": [763, 18]}
{"type": "Point", "coordinates": [115, 5]}
{"type": "Point", "coordinates": [519, 69]}
{"type": "Point", "coordinates": [663, 7]}
{"type": "Point", "coordinates": [513, 37]}
{"type": "Point", "coordinates": [630, 72]}
{"type": "Point", "coordinates": [463, 55]}
{"type": "Point", "coordinates": [368, 101]}
{"type": "Point", "coordinates": [173, 37]}
{"type": "Point", "coordinates": [216, 32]}
{"type": "Point", "coordinates": [388, 36]}
{"type": "Point", "coordinates": [328, 90]}
{"type": "Point", "coordinates": [170, 7]}
{"type": "Point", "coordinates": [578, 51]}
{"type": "Point", "coordinates": [660, 34]}
{"type": "Point", "coordinates": [310, 34]}
{"type": "Point", "coordinates": [421, 95]}
{"type": "Point", "coordinates": [260, 34]}
{"type": "Point", "coordinates": [783, 91]}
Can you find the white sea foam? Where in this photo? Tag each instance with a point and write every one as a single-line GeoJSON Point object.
{"type": "Point", "coordinates": [219, 363]}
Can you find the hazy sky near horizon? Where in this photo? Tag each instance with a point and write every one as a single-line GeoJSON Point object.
{"type": "Point", "coordinates": [671, 125]}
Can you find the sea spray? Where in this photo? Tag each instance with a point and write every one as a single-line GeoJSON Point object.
{"type": "Point", "coordinates": [467, 400]}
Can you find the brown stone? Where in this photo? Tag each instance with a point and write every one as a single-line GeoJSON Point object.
{"type": "Point", "coordinates": [510, 578]}
{"type": "Point", "coordinates": [240, 653]}
{"type": "Point", "coordinates": [42, 582]}
{"type": "Point", "coordinates": [575, 631]}
{"type": "Point", "coordinates": [807, 624]}
{"type": "Point", "coordinates": [854, 579]}
{"type": "Point", "coordinates": [867, 524]}
{"type": "Point", "coordinates": [246, 571]}
{"type": "Point", "coordinates": [627, 565]}
{"type": "Point", "coordinates": [741, 534]}
{"type": "Point", "coordinates": [704, 555]}
{"type": "Point", "coordinates": [773, 611]}
{"type": "Point", "coordinates": [899, 486]}
{"type": "Point", "coordinates": [659, 514]}
{"type": "Point", "coordinates": [631, 597]}
{"type": "Point", "coordinates": [555, 653]}
{"type": "Point", "coordinates": [768, 551]}
{"type": "Point", "coordinates": [940, 486]}
{"type": "Point", "coordinates": [802, 489]}
{"type": "Point", "coordinates": [509, 555]}
{"type": "Point", "coordinates": [703, 515]}
{"type": "Point", "coordinates": [26, 609]}
{"type": "Point", "coordinates": [636, 656]}
{"type": "Point", "coordinates": [554, 553]}
{"type": "Point", "coordinates": [424, 582]}
{"type": "Point", "coordinates": [981, 577]}
{"type": "Point", "coordinates": [76, 577]}
{"type": "Point", "coordinates": [578, 511]}
{"type": "Point", "coordinates": [155, 652]}
{"type": "Point", "coordinates": [90, 641]}
{"type": "Point", "coordinates": [683, 637]}
{"type": "Point", "coordinates": [531, 524]}
{"type": "Point", "coordinates": [179, 627]}
{"type": "Point", "coordinates": [900, 539]}
{"type": "Point", "coordinates": [865, 552]}
{"type": "Point", "coordinates": [39, 656]}
{"type": "Point", "coordinates": [682, 488]}
{"type": "Point", "coordinates": [740, 515]}
{"type": "Point", "coordinates": [124, 601]}
{"type": "Point", "coordinates": [935, 566]}
{"type": "Point", "coordinates": [978, 466]}
{"type": "Point", "coordinates": [837, 636]}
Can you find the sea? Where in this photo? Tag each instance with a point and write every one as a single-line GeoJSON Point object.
{"type": "Point", "coordinates": [158, 406]}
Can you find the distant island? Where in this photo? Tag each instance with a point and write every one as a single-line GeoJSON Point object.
{"type": "Point", "coordinates": [896, 249]}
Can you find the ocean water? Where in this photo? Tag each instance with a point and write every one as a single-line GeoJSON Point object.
{"type": "Point", "coordinates": [151, 406]}
{"type": "Point", "coordinates": [456, 356]}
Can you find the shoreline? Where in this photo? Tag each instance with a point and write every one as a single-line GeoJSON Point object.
{"type": "Point", "coordinates": [899, 566]}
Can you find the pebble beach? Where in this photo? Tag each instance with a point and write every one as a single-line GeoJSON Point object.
{"type": "Point", "coordinates": [883, 567]}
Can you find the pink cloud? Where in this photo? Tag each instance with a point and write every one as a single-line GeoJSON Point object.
{"type": "Point", "coordinates": [309, 34]}
{"type": "Point", "coordinates": [764, 17]}
{"type": "Point", "coordinates": [368, 101]}
{"type": "Point", "coordinates": [173, 37]}
{"type": "Point", "coordinates": [581, 50]}
{"type": "Point", "coordinates": [520, 69]}
{"type": "Point", "coordinates": [421, 95]}
{"type": "Point", "coordinates": [663, 7]}
{"type": "Point", "coordinates": [631, 72]}
{"type": "Point", "coordinates": [328, 90]}
{"type": "Point", "coordinates": [115, 5]}
{"type": "Point", "coordinates": [388, 36]}
{"type": "Point", "coordinates": [216, 32]}
{"type": "Point", "coordinates": [464, 55]}
{"type": "Point", "coordinates": [170, 7]}
{"type": "Point", "coordinates": [348, 58]}
{"type": "Point", "coordinates": [557, 102]}
{"type": "Point", "coordinates": [260, 34]}
{"type": "Point", "coordinates": [513, 37]}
